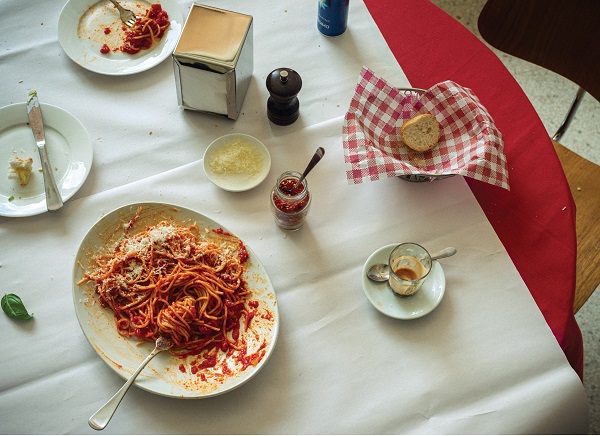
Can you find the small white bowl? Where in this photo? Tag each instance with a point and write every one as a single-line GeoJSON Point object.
{"type": "Point", "coordinates": [241, 181]}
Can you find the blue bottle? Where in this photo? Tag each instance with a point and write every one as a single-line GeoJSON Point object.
{"type": "Point", "coordinates": [332, 18]}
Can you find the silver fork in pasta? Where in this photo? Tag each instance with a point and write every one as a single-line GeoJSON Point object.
{"type": "Point", "coordinates": [127, 16]}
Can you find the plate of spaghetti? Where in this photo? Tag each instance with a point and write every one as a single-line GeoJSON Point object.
{"type": "Point", "coordinates": [93, 36]}
{"type": "Point", "coordinates": [152, 269]}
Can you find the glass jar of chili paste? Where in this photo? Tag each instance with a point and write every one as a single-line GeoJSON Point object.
{"type": "Point", "coordinates": [289, 204]}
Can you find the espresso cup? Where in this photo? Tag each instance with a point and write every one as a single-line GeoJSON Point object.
{"type": "Point", "coordinates": [409, 267]}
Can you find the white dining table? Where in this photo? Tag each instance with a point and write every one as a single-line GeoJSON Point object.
{"type": "Point", "coordinates": [484, 361]}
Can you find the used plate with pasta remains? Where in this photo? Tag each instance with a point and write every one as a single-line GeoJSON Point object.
{"type": "Point", "coordinates": [167, 374]}
{"type": "Point", "coordinates": [81, 26]}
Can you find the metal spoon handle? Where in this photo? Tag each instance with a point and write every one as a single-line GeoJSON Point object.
{"type": "Point", "coordinates": [315, 159]}
{"type": "Point", "coordinates": [446, 252]}
{"type": "Point", "coordinates": [100, 419]}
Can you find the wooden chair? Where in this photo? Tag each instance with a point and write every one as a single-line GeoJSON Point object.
{"type": "Point", "coordinates": [584, 181]}
{"type": "Point", "coordinates": [563, 37]}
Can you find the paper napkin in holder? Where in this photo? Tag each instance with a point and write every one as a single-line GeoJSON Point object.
{"type": "Point", "coordinates": [469, 145]}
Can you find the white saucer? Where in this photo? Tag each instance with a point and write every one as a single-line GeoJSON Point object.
{"type": "Point", "coordinates": [237, 182]}
{"type": "Point", "coordinates": [387, 302]}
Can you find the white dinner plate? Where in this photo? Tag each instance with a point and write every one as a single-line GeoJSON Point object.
{"type": "Point", "coordinates": [81, 34]}
{"type": "Point", "coordinates": [242, 181]}
{"type": "Point", "coordinates": [69, 150]}
{"type": "Point", "coordinates": [389, 303]}
{"type": "Point", "coordinates": [163, 375]}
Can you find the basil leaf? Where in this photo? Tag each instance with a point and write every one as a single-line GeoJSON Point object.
{"type": "Point", "coordinates": [14, 307]}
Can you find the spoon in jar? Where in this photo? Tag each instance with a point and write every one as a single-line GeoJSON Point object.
{"type": "Point", "coordinates": [315, 160]}
{"type": "Point", "coordinates": [381, 272]}
{"type": "Point", "coordinates": [100, 419]}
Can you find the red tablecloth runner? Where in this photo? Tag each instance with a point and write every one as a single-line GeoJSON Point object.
{"type": "Point", "coordinates": [535, 220]}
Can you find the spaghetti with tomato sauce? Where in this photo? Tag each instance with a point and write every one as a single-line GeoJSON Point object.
{"type": "Point", "coordinates": [169, 281]}
{"type": "Point", "coordinates": [147, 30]}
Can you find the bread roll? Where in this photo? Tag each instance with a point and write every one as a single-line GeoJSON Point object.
{"type": "Point", "coordinates": [421, 133]}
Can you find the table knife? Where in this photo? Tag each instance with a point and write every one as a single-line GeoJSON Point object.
{"type": "Point", "coordinates": [53, 199]}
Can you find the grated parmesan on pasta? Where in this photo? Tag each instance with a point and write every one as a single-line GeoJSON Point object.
{"type": "Point", "coordinates": [237, 158]}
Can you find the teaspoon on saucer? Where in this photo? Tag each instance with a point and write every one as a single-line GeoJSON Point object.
{"type": "Point", "coordinates": [380, 272]}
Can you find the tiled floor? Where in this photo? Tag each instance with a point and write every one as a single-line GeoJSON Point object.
{"type": "Point", "coordinates": [551, 95]}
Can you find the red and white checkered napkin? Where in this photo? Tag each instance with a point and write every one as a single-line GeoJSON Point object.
{"type": "Point", "coordinates": [470, 144]}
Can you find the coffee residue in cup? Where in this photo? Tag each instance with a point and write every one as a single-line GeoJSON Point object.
{"type": "Point", "coordinates": [406, 273]}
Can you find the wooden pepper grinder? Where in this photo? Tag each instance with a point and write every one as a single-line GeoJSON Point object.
{"type": "Point", "coordinates": [283, 107]}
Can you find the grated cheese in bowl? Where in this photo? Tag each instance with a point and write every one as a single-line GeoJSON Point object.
{"type": "Point", "coordinates": [237, 158]}
{"type": "Point", "coordinates": [237, 162]}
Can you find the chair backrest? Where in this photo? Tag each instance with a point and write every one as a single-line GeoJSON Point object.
{"type": "Point", "coordinates": [560, 35]}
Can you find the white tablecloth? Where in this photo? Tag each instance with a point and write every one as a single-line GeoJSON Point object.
{"type": "Point", "coordinates": [484, 361]}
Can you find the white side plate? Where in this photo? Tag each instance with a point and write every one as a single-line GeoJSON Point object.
{"type": "Point", "coordinates": [69, 150]}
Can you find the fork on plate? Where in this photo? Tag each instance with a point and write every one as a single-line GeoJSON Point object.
{"type": "Point", "coordinates": [127, 16]}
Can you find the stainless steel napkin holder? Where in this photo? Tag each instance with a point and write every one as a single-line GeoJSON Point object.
{"type": "Point", "coordinates": [214, 60]}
